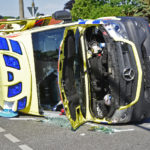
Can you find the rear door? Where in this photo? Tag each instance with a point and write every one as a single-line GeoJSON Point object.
{"type": "Point", "coordinates": [15, 76]}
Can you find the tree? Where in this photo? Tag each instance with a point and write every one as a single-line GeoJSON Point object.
{"type": "Point", "coordinates": [107, 10]}
{"type": "Point", "coordinates": [147, 1]}
{"type": "Point", "coordinates": [82, 9]}
{"type": "Point", "coordinates": [91, 9]}
{"type": "Point", "coordinates": [142, 8]}
{"type": "Point", "coordinates": [8, 17]}
{"type": "Point", "coordinates": [69, 4]}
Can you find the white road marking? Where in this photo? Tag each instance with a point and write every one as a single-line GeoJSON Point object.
{"type": "Point", "coordinates": [146, 125]}
{"type": "Point", "coordinates": [123, 130]}
{"type": "Point", "coordinates": [25, 147]}
{"type": "Point", "coordinates": [22, 119]}
{"type": "Point", "coordinates": [11, 138]}
{"type": "Point", "coordinates": [2, 130]}
{"type": "Point", "coordinates": [82, 134]}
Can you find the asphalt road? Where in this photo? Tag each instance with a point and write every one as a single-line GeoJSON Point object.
{"type": "Point", "coordinates": [34, 133]}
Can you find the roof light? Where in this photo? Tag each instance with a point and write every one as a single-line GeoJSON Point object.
{"type": "Point", "coordinates": [97, 21]}
{"type": "Point", "coordinates": [81, 21]}
{"type": "Point", "coordinates": [11, 62]}
{"type": "Point", "coordinates": [14, 90]}
{"type": "Point", "coordinates": [15, 47]}
{"type": "Point", "coordinates": [3, 44]}
{"type": "Point", "coordinates": [22, 103]}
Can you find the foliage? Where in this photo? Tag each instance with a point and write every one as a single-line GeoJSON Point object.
{"type": "Point", "coordinates": [8, 17]}
{"type": "Point", "coordinates": [90, 9]}
{"type": "Point", "coordinates": [69, 4]}
{"type": "Point", "coordinates": [107, 10]}
{"type": "Point", "coordinates": [141, 9]}
{"type": "Point", "coordinates": [82, 9]}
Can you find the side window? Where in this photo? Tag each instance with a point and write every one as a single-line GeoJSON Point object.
{"type": "Point", "coordinates": [46, 43]}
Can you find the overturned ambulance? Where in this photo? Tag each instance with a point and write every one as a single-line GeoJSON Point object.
{"type": "Point", "coordinates": [98, 68]}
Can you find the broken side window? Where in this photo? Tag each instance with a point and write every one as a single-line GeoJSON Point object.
{"type": "Point", "coordinates": [46, 48]}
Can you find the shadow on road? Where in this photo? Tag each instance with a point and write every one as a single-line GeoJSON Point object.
{"type": "Point", "coordinates": [143, 123]}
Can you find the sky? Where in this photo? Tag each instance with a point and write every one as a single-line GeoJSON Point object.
{"type": "Point", "coordinates": [11, 7]}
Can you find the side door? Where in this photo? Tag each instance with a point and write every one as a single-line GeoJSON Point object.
{"type": "Point", "coordinates": [72, 81]}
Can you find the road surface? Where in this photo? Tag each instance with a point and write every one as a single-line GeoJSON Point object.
{"type": "Point", "coordinates": [37, 133]}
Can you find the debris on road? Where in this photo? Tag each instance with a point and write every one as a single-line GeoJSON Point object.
{"type": "Point", "coordinates": [58, 121]}
{"type": "Point", "coordinates": [101, 129]}
{"type": "Point", "coordinates": [107, 130]}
